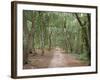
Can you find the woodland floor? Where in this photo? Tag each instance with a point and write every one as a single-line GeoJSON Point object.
{"type": "Point", "coordinates": [52, 59]}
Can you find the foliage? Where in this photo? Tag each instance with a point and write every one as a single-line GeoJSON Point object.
{"type": "Point", "coordinates": [69, 31]}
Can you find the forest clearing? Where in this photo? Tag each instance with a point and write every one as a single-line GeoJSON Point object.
{"type": "Point", "coordinates": [56, 39]}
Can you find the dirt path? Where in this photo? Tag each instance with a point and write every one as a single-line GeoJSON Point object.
{"type": "Point", "coordinates": [55, 58]}
{"type": "Point", "coordinates": [60, 59]}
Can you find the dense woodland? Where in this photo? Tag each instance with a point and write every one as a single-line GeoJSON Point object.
{"type": "Point", "coordinates": [44, 30]}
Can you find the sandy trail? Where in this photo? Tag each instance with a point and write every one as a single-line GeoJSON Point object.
{"type": "Point", "coordinates": [60, 59]}
{"type": "Point", "coordinates": [57, 58]}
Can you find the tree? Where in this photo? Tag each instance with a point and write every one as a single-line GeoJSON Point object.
{"type": "Point", "coordinates": [68, 31]}
{"type": "Point", "coordinates": [85, 34]}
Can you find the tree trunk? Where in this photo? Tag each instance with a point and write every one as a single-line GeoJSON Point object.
{"type": "Point", "coordinates": [50, 40]}
{"type": "Point", "coordinates": [85, 38]}
{"type": "Point", "coordinates": [32, 34]}
{"type": "Point", "coordinates": [25, 39]}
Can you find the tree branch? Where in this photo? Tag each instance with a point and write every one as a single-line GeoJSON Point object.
{"type": "Point", "coordinates": [78, 19]}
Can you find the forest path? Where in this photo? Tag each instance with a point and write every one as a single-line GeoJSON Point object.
{"type": "Point", "coordinates": [61, 59]}
{"type": "Point", "coordinates": [57, 57]}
